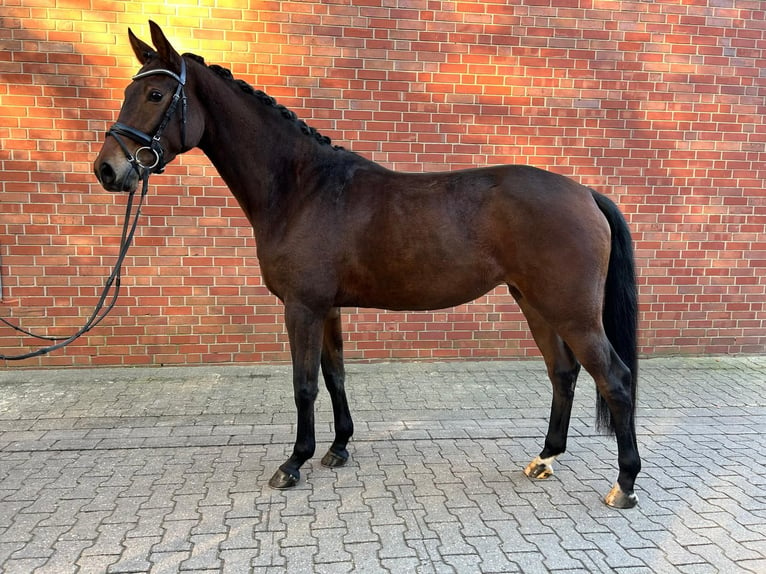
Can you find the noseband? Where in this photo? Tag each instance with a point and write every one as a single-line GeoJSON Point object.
{"type": "Point", "coordinates": [152, 143]}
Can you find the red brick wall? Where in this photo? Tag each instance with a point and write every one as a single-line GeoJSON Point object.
{"type": "Point", "coordinates": [658, 103]}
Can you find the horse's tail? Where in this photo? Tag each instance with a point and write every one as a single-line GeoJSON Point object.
{"type": "Point", "coordinates": [620, 315]}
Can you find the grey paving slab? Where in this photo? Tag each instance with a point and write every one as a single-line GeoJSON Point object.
{"type": "Point", "coordinates": [166, 469]}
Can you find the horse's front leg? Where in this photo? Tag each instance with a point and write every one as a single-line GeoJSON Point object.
{"type": "Point", "coordinates": [304, 328]}
{"type": "Point", "coordinates": [334, 376]}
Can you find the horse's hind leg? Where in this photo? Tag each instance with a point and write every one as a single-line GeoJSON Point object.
{"type": "Point", "coordinates": [613, 382]}
{"type": "Point", "coordinates": [334, 376]}
{"type": "Point", "coordinates": [563, 369]}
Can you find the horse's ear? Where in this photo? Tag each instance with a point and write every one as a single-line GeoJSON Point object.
{"type": "Point", "coordinates": [164, 49]}
{"type": "Point", "coordinates": [144, 52]}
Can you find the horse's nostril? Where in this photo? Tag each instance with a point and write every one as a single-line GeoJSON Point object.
{"type": "Point", "coordinates": [106, 174]}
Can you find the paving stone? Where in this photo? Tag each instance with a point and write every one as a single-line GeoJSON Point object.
{"type": "Point", "coordinates": [64, 557]}
{"type": "Point", "coordinates": [269, 556]}
{"type": "Point", "coordinates": [166, 470]}
{"type": "Point", "coordinates": [555, 556]}
{"type": "Point", "coordinates": [492, 557]}
{"type": "Point", "coordinates": [167, 562]}
{"type": "Point", "coordinates": [212, 521]}
{"type": "Point", "coordinates": [240, 535]}
{"type": "Point", "coordinates": [463, 562]}
{"type": "Point", "coordinates": [41, 544]}
{"type": "Point", "coordinates": [330, 546]}
{"type": "Point", "coordinates": [358, 528]}
{"type": "Point", "coordinates": [134, 557]}
{"type": "Point", "coordinates": [9, 548]}
{"type": "Point", "coordinates": [96, 563]}
{"type": "Point", "coordinates": [451, 538]}
{"type": "Point", "coordinates": [364, 556]}
{"type": "Point", "coordinates": [204, 553]}
{"type": "Point", "coordinates": [23, 565]}
{"type": "Point", "coordinates": [22, 527]}
{"type": "Point", "coordinates": [757, 565]}
{"type": "Point", "coordinates": [236, 561]}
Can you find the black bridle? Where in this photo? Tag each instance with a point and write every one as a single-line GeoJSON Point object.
{"type": "Point", "coordinates": [153, 145]}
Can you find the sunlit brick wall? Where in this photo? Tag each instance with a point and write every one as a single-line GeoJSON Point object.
{"type": "Point", "coordinates": [659, 104]}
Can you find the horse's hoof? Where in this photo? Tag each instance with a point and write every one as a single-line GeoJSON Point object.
{"type": "Point", "coordinates": [333, 459]}
{"type": "Point", "coordinates": [283, 480]}
{"type": "Point", "coordinates": [619, 499]}
{"type": "Point", "coordinates": [539, 468]}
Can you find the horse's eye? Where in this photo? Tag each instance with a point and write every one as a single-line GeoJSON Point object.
{"type": "Point", "coordinates": [155, 96]}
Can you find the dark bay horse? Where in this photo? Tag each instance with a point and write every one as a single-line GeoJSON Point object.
{"type": "Point", "coordinates": [334, 229]}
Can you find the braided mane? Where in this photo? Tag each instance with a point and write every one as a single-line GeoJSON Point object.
{"type": "Point", "coordinates": [266, 100]}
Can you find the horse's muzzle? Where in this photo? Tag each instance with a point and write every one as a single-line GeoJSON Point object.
{"type": "Point", "coordinates": [111, 178]}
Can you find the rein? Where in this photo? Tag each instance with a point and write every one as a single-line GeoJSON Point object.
{"type": "Point", "coordinates": [128, 230]}
{"type": "Point", "coordinates": [153, 145]}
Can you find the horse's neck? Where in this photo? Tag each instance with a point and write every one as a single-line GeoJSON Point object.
{"type": "Point", "coordinates": [255, 150]}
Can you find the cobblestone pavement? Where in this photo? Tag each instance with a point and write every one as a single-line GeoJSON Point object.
{"type": "Point", "coordinates": [166, 470]}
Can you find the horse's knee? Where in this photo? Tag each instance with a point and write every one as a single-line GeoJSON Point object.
{"type": "Point", "coordinates": [306, 394]}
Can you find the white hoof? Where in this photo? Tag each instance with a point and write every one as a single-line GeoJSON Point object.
{"type": "Point", "coordinates": [619, 499]}
{"type": "Point", "coordinates": [540, 467]}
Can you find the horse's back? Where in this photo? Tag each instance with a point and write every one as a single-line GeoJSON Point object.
{"type": "Point", "coordinates": [424, 241]}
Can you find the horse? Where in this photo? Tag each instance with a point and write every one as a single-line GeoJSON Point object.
{"type": "Point", "coordinates": [334, 229]}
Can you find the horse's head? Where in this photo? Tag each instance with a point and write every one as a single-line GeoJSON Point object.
{"type": "Point", "coordinates": [155, 123]}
